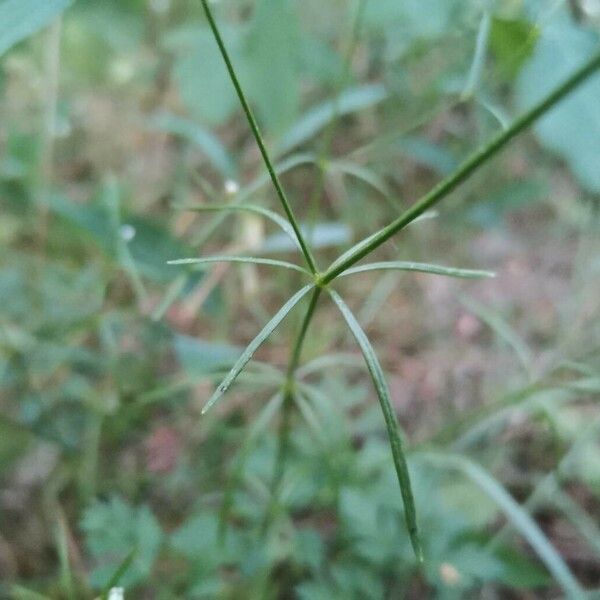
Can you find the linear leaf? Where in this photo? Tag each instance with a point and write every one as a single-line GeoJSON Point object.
{"type": "Point", "coordinates": [419, 268]}
{"type": "Point", "coordinates": [251, 208]}
{"type": "Point", "coordinates": [520, 519]}
{"type": "Point", "coordinates": [254, 345]}
{"type": "Point", "coordinates": [238, 259]}
{"type": "Point", "coordinates": [21, 18]}
{"type": "Point", "coordinates": [394, 433]}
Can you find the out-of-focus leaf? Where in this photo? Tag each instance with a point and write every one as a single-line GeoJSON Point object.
{"type": "Point", "coordinates": [199, 357]}
{"type": "Point", "coordinates": [199, 136]}
{"type": "Point", "coordinates": [316, 119]}
{"type": "Point", "coordinates": [512, 42]}
{"type": "Point", "coordinates": [150, 244]}
{"type": "Point", "coordinates": [200, 73]}
{"type": "Point", "coordinates": [322, 235]}
{"type": "Point", "coordinates": [113, 529]}
{"type": "Point", "coordinates": [571, 129]}
{"type": "Point", "coordinates": [271, 51]}
{"type": "Point", "coordinates": [489, 211]}
{"type": "Point", "coordinates": [21, 18]}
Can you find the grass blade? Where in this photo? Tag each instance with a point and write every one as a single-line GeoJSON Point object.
{"type": "Point", "coordinates": [394, 433]}
{"type": "Point", "coordinates": [254, 345]}
{"type": "Point", "coordinates": [520, 519]}
{"type": "Point", "coordinates": [239, 259]}
{"type": "Point", "coordinates": [119, 573]}
{"type": "Point", "coordinates": [251, 208]}
{"type": "Point", "coordinates": [419, 268]}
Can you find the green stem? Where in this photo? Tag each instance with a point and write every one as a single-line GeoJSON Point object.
{"type": "Point", "coordinates": [259, 140]}
{"type": "Point", "coordinates": [468, 167]}
{"type": "Point", "coordinates": [288, 405]}
{"type": "Point", "coordinates": [295, 358]}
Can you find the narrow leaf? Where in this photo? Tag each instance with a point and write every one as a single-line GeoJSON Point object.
{"type": "Point", "coordinates": [394, 433]}
{"type": "Point", "coordinates": [119, 573]}
{"type": "Point", "coordinates": [251, 208]}
{"type": "Point", "coordinates": [419, 268]}
{"type": "Point", "coordinates": [520, 519]}
{"type": "Point", "coordinates": [238, 259]}
{"type": "Point", "coordinates": [255, 345]}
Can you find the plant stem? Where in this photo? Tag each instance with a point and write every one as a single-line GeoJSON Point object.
{"type": "Point", "coordinates": [288, 405]}
{"type": "Point", "coordinates": [468, 167]}
{"type": "Point", "coordinates": [259, 140]}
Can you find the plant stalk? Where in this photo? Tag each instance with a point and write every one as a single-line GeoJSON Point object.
{"type": "Point", "coordinates": [288, 405]}
{"type": "Point", "coordinates": [468, 167]}
{"type": "Point", "coordinates": [310, 261]}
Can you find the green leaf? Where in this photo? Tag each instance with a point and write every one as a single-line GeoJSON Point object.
{"type": "Point", "coordinates": [512, 42]}
{"type": "Point", "coordinates": [572, 129]}
{"type": "Point", "coordinates": [251, 208]}
{"type": "Point", "coordinates": [419, 268]}
{"type": "Point", "coordinates": [394, 433]}
{"type": "Point", "coordinates": [520, 519]}
{"type": "Point", "coordinates": [200, 137]}
{"type": "Point", "coordinates": [203, 82]}
{"type": "Point", "coordinates": [255, 345]}
{"type": "Point", "coordinates": [21, 18]}
{"type": "Point", "coordinates": [112, 530]}
{"type": "Point", "coordinates": [238, 259]}
{"type": "Point", "coordinates": [352, 100]}
{"type": "Point", "coordinates": [320, 235]}
{"type": "Point", "coordinates": [272, 55]}
{"type": "Point", "coordinates": [364, 174]}
{"type": "Point", "coordinates": [198, 357]}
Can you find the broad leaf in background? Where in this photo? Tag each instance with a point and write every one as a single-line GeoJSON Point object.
{"type": "Point", "coordinates": [204, 84]}
{"type": "Point", "coordinates": [572, 129]}
{"type": "Point", "coordinates": [113, 529]}
{"type": "Point", "coordinates": [199, 357]}
{"type": "Point", "coordinates": [21, 18]}
{"type": "Point", "coordinates": [150, 244]}
{"type": "Point", "coordinates": [273, 63]}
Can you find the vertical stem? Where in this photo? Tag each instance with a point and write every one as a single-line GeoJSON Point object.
{"type": "Point", "coordinates": [259, 140]}
{"type": "Point", "coordinates": [288, 405]}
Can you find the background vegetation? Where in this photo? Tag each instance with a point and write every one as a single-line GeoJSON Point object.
{"type": "Point", "coordinates": [114, 115]}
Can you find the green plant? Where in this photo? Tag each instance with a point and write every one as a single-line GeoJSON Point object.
{"type": "Point", "coordinates": [321, 281]}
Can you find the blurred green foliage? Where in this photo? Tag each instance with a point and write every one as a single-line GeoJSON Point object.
{"type": "Point", "coordinates": [107, 352]}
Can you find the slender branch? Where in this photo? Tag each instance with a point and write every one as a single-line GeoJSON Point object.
{"type": "Point", "coordinates": [295, 358]}
{"type": "Point", "coordinates": [259, 140]}
{"type": "Point", "coordinates": [288, 405]}
{"type": "Point", "coordinates": [468, 167]}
